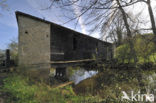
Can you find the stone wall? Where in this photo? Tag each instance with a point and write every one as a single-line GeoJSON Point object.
{"type": "Point", "coordinates": [34, 42]}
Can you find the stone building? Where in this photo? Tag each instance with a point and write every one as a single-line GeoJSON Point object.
{"type": "Point", "coordinates": [43, 44]}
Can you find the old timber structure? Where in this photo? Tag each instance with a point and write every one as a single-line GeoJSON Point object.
{"type": "Point", "coordinates": [43, 45]}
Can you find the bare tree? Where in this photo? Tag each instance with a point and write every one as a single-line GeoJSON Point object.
{"type": "Point", "coordinates": [100, 14]}
{"type": "Point", "coordinates": [117, 29]}
{"type": "Point", "coordinates": [150, 11]}
{"type": "Point", "coordinates": [148, 2]}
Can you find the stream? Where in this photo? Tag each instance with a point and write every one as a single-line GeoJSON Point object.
{"type": "Point", "coordinates": [81, 74]}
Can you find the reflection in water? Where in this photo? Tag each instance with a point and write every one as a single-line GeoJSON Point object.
{"type": "Point", "coordinates": [81, 74]}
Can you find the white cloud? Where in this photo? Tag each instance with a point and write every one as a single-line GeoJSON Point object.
{"type": "Point", "coordinates": [48, 14]}
{"type": "Point", "coordinates": [80, 19]}
{"type": "Point", "coordinates": [53, 13]}
{"type": "Point", "coordinates": [144, 17]}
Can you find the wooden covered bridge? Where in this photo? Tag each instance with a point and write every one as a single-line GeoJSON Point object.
{"type": "Point", "coordinates": [44, 45]}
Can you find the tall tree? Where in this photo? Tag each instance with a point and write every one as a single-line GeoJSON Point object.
{"type": "Point", "coordinates": [151, 16]}
{"type": "Point", "coordinates": [150, 11]}
{"type": "Point", "coordinates": [129, 33]}
{"type": "Point", "coordinates": [117, 29]}
{"type": "Point", "coordinates": [99, 14]}
{"type": "Point", "coordinates": [13, 46]}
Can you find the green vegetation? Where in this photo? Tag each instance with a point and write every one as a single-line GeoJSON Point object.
{"type": "Point", "coordinates": [105, 87]}
{"type": "Point", "coordinates": [13, 46]}
{"type": "Point", "coordinates": [144, 47]}
{"type": "Point", "coordinates": [122, 53]}
{"type": "Point", "coordinates": [109, 84]}
{"type": "Point", "coordinates": [23, 90]}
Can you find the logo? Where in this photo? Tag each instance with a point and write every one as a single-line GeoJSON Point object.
{"type": "Point", "coordinates": [137, 97]}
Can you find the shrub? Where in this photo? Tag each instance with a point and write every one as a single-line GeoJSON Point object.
{"type": "Point", "coordinates": [122, 53]}
{"type": "Point", "coordinates": [23, 90]}
{"type": "Point", "coordinates": [19, 89]}
{"type": "Point", "coordinates": [144, 47]}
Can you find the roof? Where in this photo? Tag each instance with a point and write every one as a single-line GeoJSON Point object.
{"type": "Point", "coordinates": [18, 13]}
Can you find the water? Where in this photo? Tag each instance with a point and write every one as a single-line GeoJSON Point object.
{"type": "Point", "coordinates": [81, 74]}
{"type": "Point", "coordinates": [77, 76]}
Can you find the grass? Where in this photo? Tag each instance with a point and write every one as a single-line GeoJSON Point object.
{"type": "Point", "coordinates": [105, 87]}
{"type": "Point", "coordinates": [22, 90]}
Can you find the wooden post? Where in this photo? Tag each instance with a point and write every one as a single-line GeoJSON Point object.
{"type": "Point", "coordinates": [7, 59]}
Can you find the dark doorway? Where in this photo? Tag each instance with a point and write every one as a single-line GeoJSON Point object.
{"type": "Point", "coordinates": [74, 43]}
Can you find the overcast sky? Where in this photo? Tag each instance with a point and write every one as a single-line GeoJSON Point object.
{"type": "Point", "coordinates": [8, 23]}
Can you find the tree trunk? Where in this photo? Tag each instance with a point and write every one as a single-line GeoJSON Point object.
{"type": "Point", "coordinates": [129, 34]}
{"type": "Point", "coordinates": [151, 16]}
{"type": "Point", "coordinates": [152, 19]}
{"type": "Point", "coordinates": [119, 36]}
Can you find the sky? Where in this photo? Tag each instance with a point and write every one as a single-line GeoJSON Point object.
{"type": "Point", "coordinates": [8, 23]}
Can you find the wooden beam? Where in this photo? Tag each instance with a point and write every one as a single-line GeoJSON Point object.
{"type": "Point", "coordinates": [72, 61]}
{"type": "Point", "coordinates": [63, 85]}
